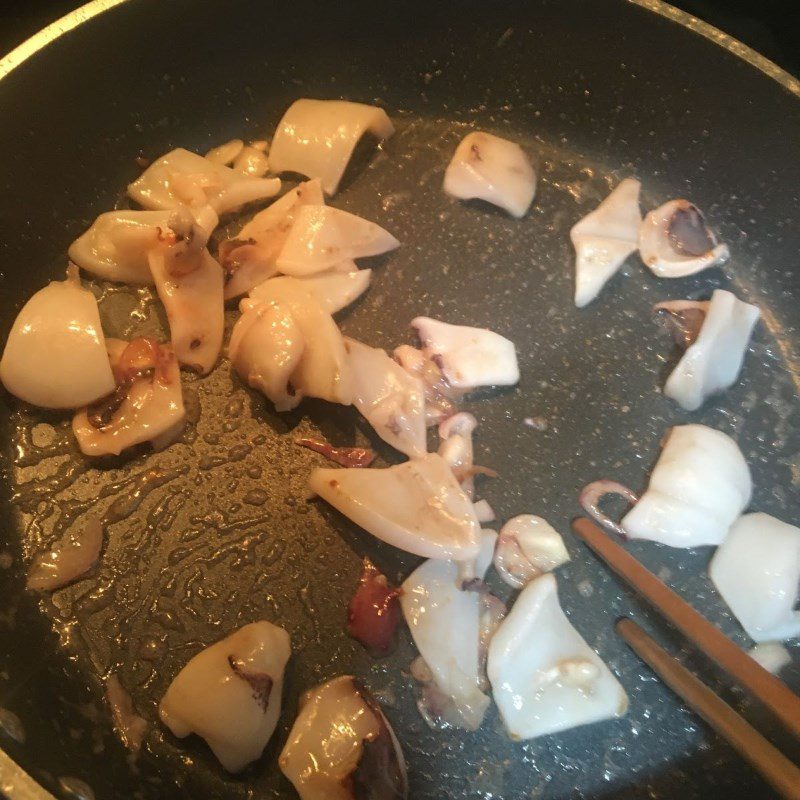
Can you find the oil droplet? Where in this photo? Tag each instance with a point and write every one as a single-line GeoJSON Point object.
{"type": "Point", "coordinates": [255, 497]}
{"type": "Point", "coordinates": [153, 649]}
{"type": "Point", "coordinates": [235, 407]}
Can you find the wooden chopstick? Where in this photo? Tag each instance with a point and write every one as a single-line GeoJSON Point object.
{"type": "Point", "coordinates": [775, 768]}
{"type": "Point", "coordinates": [774, 694]}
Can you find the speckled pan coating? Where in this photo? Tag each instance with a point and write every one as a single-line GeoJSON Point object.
{"type": "Point", "coordinates": [215, 532]}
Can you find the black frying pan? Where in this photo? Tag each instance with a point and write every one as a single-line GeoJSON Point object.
{"type": "Point", "coordinates": [595, 91]}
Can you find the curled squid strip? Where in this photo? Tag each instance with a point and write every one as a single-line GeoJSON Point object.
{"type": "Point", "coordinates": [146, 406]}
{"type": "Point", "coordinates": [674, 241]}
{"type": "Point", "coordinates": [714, 356]}
{"type": "Point", "coordinates": [317, 137]}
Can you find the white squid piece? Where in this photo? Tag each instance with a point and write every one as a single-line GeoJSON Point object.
{"type": "Point", "coordinates": [604, 238]}
{"type": "Point", "coordinates": [699, 487]}
{"type": "Point", "coordinates": [336, 288]}
{"type": "Point", "coordinates": [342, 747]}
{"type": "Point", "coordinates": [527, 547]}
{"type": "Point", "coordinates": [417, 506]}
{"type": "Point", "coordinates": [489, 168]}
{"type": "Point", "coordinates": [184, 178]}
{"type": "Point", "coordinates": [230, 694]}
{"type": "Point", "coordinates": [757, 572]}
{"type": "Point", "coordinates": [456, 448]}
{"type": "Point", "coordinates": [265, 349]}
{"type": "Point", "coordinates": [251, 161]}
{"type": "Point", "coordinates": [115, 247]}
{"type": "Point", "coordinates": [286, 345]}
{"type": "Point", "coordinates": [440, 396]}
{"type": "Point", "coordinates": [484, 512]}
{"type": "Point", "coordinates": [713, 362]}
{"type": "Point", "coordinates": [773, 656]}
{"type": "Point", "coordinates": [545, 678]}
{"type": "Point", "coordinates": [445, 621]}
{"type": "Point", "coordinates": [251, 257]}
{"type": "Point", "coordinates": [322, 237]}
{"type": "Point", "coordinates": [388, 397]}
{"type": "Point", "coordinates": [147, 405]}
{"type": "Point", "coordinates": [468, 357]}
{"type": "Point", "coordinates": [190, 284]}
{"type": "Point", "coordinates": [674, 241]}
{"type": "Point", "coordinates": [225, 153]}
{"type": "Point", "coordinates": [128, 724]}
{"type": "Point", "coordinates": [55, 355]}
{"type": "Point", "coordinates": [317, 137]}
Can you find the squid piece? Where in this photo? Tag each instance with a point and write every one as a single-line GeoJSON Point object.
{"type": "Point", "coordinates": [286, 345]}
{"type": "Point", "coordinates": [484, 512]}
{"type": "Point", "coordinates": [146, 406]}
{"type": "Point", "coordinates": [230, 694]}
{"type": "Point", "coordinates": [322, 237]}
{"type": "Point", "coordinates": [757, 572]}
{"type": "Point", "coordinates": [456, 448]}
{"type": "Point", "coordinates": [343, 456]}
{"type": "Point", "coordinates": [115, 247]}
{"type": "Point", "coordinates": [604, 238]}
{"type": "Point", "coordinates": [445, 620]}
{"type": "Point", "coordinates": [69, 559]}
{"type": "Point", "coordinates": [712, 363]}
{"type": "Point", "coordinates": [468, 357]}
{"type": "Point", "coordinates": [226, 153]}
{"type": "Point", "coordinates": [374, 611]}
{"type": "Point", "coordinates": [189, 283]}
{"type": "Point", "coordinates": [489, 168]}
{"type": "Point", "coordinates": [674, 241]}
{"type": "Point", "coordinates": [128, 724]}
{"type": "Point", "coordinates": [699, 487]}
{"type": "Point", "coordinates": [317, 137]}
{"type": "Point", "coordinates": [337, 288]}
{"type": "Point", "coordinates": [683, 319]}
{"type": "Point", "coordinates": [265, 349]}
{"type": "Point", "coordinates": [545, 678]}
{"type": "Point", "coordinates": [251, 161]}
{"type": "Point", "coordinates": [527, 547]}
{"type": "Point", "coordinates": [388, 397]}
{"type": "Point", "coordinates": [55, 355]}
{"type": "Point", "coordinates": [440, 396]}
{"type": "Point", "coordinates": [417, 506]}
{"type": "Point", "coordinates": [251, 257]}
{"type": "Point", "coordinates": [184, 178]}
{"type": "Point", "coordinates": [773, 656]}
{"type": "Point", "coordinates": [342, 747]}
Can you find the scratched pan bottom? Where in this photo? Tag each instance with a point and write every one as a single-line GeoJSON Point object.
{"type": "Point", "coordinates": [217, 531]}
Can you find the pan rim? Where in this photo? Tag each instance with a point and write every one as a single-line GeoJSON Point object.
{"type": "Point", "coordinates": [52, 32]}
{"type": "Point", "coordinates": [16, 783]}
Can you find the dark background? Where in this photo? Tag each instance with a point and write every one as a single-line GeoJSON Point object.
{"type": "Point", "coordinates": [772, 27]}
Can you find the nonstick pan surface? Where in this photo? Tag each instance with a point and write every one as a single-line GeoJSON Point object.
{"type": "Point", "coordinates": [216, 531]}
